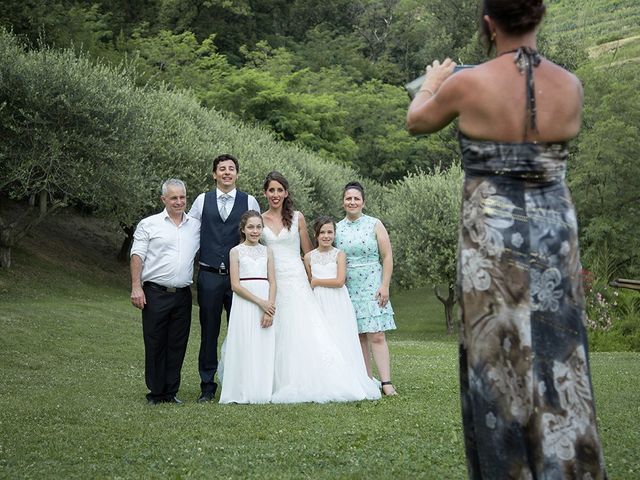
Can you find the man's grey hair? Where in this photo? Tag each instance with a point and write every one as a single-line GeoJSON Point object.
{"type": "Point", "coordinates": [172, 182]}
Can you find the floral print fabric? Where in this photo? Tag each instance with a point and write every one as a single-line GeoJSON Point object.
{"type": "Point", "coordinates": [527, 401]}
{"type": "Point", "coordinates": [364, 273]}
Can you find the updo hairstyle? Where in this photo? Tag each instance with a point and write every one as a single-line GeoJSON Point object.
{"type": "Point", "coordinates": [355, 186]}
{"type": "Point", "coordinates": [513, 16]}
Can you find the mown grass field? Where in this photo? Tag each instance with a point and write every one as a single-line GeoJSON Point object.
{"type": "Point", "coordinates": [72, 393]}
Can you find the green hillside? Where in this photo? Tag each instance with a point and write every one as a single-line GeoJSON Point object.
{"type": "Point", "coordinates": [609, 30]}
{"type": "Point", "coordinates": [594, 21]}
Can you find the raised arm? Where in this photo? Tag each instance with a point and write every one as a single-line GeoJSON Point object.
{"type": "Point", "coordinates": [435, 104]}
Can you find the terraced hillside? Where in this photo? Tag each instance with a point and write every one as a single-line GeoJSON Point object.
{"type": "Point", "coordinates": [608, 30]}
{"type": "Point", "coordinates": [595, 21]}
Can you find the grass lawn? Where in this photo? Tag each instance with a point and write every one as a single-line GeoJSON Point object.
{"type": "Point", "coordinates": [72, 399]}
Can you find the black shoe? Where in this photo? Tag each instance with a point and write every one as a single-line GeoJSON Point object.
{"type": "Point", "coordinates": [390, 394]}
{"type": "Point", "coordinates": [175, 400]}
{"type": "Point", "coordinates": [152, 401]}
{"type": "Point", "coordinates": [206, 397]}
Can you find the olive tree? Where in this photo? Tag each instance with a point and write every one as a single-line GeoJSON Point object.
{"type": "Point", "coordinates": [422, 213]}
{"type": "Point", "coordinates": [69, 132]}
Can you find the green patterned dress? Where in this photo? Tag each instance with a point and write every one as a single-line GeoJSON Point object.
{"type": "Point", "coordinates": [364, 273]}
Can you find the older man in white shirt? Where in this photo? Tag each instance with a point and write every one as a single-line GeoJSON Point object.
{"type": "Point", "coordinates": [162, 254]}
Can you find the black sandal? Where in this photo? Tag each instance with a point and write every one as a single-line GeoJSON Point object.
{"type": "Point", "coordinates": [382, 384]}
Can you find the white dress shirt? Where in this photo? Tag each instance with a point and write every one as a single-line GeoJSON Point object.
{"type": "Point", "coordinates": [167, 250]}
{"type": "Point", "coordinates": [198, 204]}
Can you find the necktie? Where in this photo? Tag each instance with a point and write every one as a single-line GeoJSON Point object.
{"type": "Point", "coordinates": [224, 208]}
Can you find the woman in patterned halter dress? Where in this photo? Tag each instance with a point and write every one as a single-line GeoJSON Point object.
{"type": "Point", "coordinates": [527, 401]}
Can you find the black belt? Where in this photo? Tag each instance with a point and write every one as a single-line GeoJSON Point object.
{"type": "Point", "coordinates": [218, 270]}
{"type": "Point", "coordinates": [166, 289]}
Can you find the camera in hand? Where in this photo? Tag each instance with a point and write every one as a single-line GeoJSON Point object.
{"type": "Point", "coordinates": [414, 85]}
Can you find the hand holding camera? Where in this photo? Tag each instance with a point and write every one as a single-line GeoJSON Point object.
{"type": "Point", "coordinates": [436, 73]}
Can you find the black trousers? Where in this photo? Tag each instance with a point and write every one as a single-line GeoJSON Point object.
{"type": "Point", "coordinates": [214, 294]}
{"type": "Point", "coordinates": [166, 320]}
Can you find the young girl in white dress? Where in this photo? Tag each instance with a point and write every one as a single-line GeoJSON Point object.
{"type": "Point", "coordinates": [250, 344]}
{"type": "Point", "coordinates": [326, 267]}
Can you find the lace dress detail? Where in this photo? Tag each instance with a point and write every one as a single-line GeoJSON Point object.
{"type": "Point", "coordinates": [256, 252]}
{"type": "Point", "coordinates": [324, 258]}
{"type": "Point", "coordinates": [309, 367]}
{"type": "Point", "coordinates": [527, 401]}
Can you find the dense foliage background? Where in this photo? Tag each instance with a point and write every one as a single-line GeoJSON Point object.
{"type": "Point", "coordinates": [100, 100]}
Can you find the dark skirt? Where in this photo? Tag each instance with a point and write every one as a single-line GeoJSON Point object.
{"type": "Point", "coordinates": [527, 400]}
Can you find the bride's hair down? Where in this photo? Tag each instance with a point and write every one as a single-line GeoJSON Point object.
{"type": "Point", "coordinates": [287, 203]}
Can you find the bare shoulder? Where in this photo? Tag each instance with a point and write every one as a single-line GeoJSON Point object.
{"type": "Point", "coordinates": [563, 81]}
{"type": "Point", "coordinates": [458, 85]}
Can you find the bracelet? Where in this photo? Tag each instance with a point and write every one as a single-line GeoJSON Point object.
{"type": "Point", "coordinates": [426, 90]}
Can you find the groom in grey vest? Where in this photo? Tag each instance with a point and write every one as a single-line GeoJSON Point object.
{"type": "Point", "coordinates": [219, 212]}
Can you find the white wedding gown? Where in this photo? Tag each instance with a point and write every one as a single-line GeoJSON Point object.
{"type": "Point", "coordinates": [309, 367]}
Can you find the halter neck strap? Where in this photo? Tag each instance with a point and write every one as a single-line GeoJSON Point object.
{"type": "Point", "coordinates": [526, 59]}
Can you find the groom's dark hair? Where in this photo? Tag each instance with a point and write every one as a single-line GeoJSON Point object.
{"type": "Point", "coordinates": [356, 186]}
{"type": "Point", "coordinates": [222, 158]}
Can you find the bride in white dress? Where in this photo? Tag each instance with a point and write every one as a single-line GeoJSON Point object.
{"type": "Point", "coordinates": [309, 366]}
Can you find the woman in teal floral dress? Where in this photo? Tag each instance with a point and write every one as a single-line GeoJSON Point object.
{"type": "Point", "coordinates": [366, 244]}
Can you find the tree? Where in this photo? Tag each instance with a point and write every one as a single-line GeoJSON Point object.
{"type": "Point", "coordinates": [422, 213]}
{"type": "Point", "coordinates": [604, 171]}
{"type": "Point", "coordinates": [68, 133]}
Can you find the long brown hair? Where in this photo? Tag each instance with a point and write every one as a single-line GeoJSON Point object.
{"type": "Point", "coordinates": [287, 204]}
